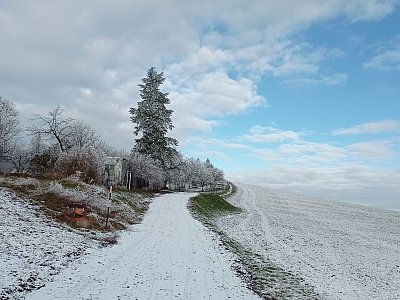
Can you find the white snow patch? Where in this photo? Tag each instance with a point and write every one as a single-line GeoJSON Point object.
{"type": "Point", "coordinates": [32, 247]}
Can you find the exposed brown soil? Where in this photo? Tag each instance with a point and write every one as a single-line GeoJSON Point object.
{"type": "Point", "coordinates": [63, 209]}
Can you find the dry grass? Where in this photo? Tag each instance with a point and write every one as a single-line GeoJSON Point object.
{"type": "Point", "coordinates": [58, 199]}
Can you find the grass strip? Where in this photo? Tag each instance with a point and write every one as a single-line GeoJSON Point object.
{"type": "Point", "coordinates": [262, 275]}
{"type": "Point", "coordinates": [210, 206]}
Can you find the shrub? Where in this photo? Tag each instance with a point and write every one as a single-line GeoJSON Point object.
{"type": "Point", "coordinates": [85, 162]}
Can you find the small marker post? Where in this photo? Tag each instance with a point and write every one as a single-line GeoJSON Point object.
{"type": "Point", "coordinates": [109, 205]}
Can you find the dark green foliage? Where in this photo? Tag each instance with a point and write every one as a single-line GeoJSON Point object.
{"type": "Point", "coordinates": [153, 120]}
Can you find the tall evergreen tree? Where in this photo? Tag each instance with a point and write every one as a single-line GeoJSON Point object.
{"type": "Point", "coordinates": [153, 121]}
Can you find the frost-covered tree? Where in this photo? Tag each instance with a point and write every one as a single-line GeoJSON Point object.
{"type": "Point", "coordinates": [81, 134]}
{"type": "Point", "coordinates": [152, 121]}
{"type": "Point", "coordinates": [177, 174]}
{"type": "Point", "coordinates": [37, 144]}
{"type": "Point", "coordinates": [202, 174]}
{"type": "Point", "coordinates": [9, 129]}
{"type": "Point", "coordinates": [86, 161]}
{"type": "Point", "coordinates": [190, 172]}
{"type": "Point", "coordinates": [144, 171]}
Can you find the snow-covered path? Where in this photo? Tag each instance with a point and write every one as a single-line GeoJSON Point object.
{"type": "Point", "coordinates": [168, 256]}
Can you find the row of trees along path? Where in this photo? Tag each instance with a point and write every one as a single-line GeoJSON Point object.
{"type": "Point", "coordinates": [65, 146]}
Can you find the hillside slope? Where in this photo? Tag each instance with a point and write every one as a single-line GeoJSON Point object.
{"type": "Point", "coordinates": [40, 234]}
{"type": "Point", "coordinates": [344, 251]}
{"type": "Point", "coordinates": [33, 248]}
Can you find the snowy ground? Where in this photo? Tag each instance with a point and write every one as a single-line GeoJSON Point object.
{"type": "Point", "coordinates": [345, 251]}
{"type": "Point", "coordinates": [168, 256]}
{"type": "Point", "coordinates": [32, 247]}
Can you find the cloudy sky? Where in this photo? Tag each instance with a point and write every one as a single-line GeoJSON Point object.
{"type": "Point", "coordinates": [298, 95]}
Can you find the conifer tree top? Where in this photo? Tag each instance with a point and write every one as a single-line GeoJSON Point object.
{"type": "Point", "coordinates": [153, 120]}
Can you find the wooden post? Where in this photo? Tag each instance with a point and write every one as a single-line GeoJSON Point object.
{"type": "Point", "coordinates": [108, 207]}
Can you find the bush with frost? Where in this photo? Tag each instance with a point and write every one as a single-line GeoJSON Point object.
{"type": "Point", "coordinates": [85, 162]}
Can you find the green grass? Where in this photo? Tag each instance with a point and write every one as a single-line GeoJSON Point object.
{"type": "Point", "coordinates": [209, 206]}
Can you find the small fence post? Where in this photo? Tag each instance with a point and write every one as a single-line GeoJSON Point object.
{"type": "Point", "coordinates": [109, 205]}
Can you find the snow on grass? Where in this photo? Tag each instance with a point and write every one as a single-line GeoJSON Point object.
{"type": "Point", "coordinates": [32, 248]}
{"type": "Point", "coordinates": [262, 275]}
{"type": "Point", "coordinates": [59, 198]}
{"type": "Point", "coordinates": [344, 251]}
{"type": "Point", "coordinates": [37, 237]}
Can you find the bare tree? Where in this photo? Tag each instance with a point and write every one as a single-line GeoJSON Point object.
{"type": "Point", "coordinates": [20, 159]}
{"type": "Point", "coordinates": [82, 135]}
{"type": "Point", "coordinates": [54, 126]}
{"type": "Point", "coordinates": [9, 128]}
{"type": "Point", "coordinates": [37, 145]}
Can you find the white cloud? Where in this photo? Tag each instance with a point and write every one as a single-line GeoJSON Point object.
{"type": "Point", "coordinates": [373, 150]}
{"type": "Point", "coordinates": [204, 99]}
{"type": "Point", "coordinates": [357, 183]}
{"type": "Point", "coordinates": [300, 58]}
{"type": "Point", "coordinates": [89, 56]}
{"type": "Point", "coordinates": [370, 128]}
{"type": "Point", "coordinates": [227, 145]}
{"type": "Point", "coordinates": [272, 146]}
{"type": "Point", "coordinates": [224, 95]}
{"type": "Point", "coordinates": [260, 134]}
{"type": "Point", "coordinates": [207, 142]}
{"type": "Point", "coordinates": [319, 80]}
{"type": "Point", "coordinates": [387, 55]}
{"type": "Point", "coordinates": [373, 10]}
{"type": "Point", "coordinates": [205, 59]}
{"type": "Point", "coordinates": [303, 153]}
{"type": "Point", "coordinates": [385, 61]}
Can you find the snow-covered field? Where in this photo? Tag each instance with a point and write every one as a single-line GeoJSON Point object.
{"type": "Point", "coordinates": [32, 247]}
{"type": "Point", "coordinates": [344, 251]}
{"type": "Point", "coordinates": [168, 256]}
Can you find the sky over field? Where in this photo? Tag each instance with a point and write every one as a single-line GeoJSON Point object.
{"type": "Point", "coordinates": [297, 95]}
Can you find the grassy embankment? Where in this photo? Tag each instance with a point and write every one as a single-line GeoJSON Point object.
{"type": "Point", "coordinates": [261, 275]}
{"type": "Point", "coordinates": [58, 199]}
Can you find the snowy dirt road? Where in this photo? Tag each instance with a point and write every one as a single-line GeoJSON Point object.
{"type": "Point", "coordinates": [168, 256]}
{"type": "Point", "coordinates": [344, 251]}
